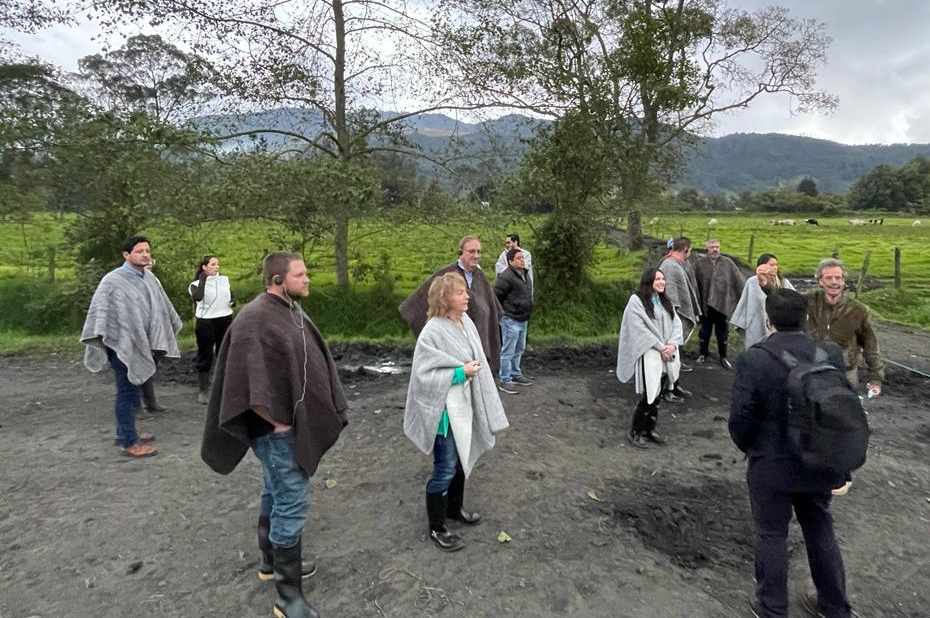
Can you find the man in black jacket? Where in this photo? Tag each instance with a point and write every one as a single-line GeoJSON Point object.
{"type": "Point", "coordinates": [514, 290]}
{"type": "Point", "coordinates": [777, 480]}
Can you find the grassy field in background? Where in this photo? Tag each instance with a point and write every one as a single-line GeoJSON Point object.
{"type": "Point", "coordinates": [368, 312]}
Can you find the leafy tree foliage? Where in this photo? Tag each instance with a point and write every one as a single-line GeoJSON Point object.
{"type": "Point", "coordinates": [342, 59]}
{"type": "Point", "coordinates": [808, 186]}
{"type": "Point", "coordinates": [888, 188]}
{"type": "Point", "coordinates": [644, 75]}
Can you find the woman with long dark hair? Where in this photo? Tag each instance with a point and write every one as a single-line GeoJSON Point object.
{"type": "Point", "coordinates": [749, 314]}
{"type": "Point", "coordinates": [650, 335]}
{"type": "Point", "coordinates": [213, 311]}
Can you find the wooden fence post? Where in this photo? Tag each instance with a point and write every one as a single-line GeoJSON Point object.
{"type": "Point", "coordinates": [51, 263]}
{"type": "Point", "coordinates": [752, 240]}
{"type": "Point", "coordinates": [865, 269]}
{"type": "Point", "coordinates": [897, 268]}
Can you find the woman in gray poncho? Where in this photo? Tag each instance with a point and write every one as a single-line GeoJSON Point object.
{"type": "Point", "coordinates": [453, 408]}
{"type": "Point", "coordinates": [749, 314]}
{"type": "Point", "coordinates": [650, 335]}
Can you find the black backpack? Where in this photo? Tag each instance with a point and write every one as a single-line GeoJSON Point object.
{"type": "Point", "coordinates": [828, 429]}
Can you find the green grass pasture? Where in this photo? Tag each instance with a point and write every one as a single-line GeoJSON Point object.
{"type": "Point", "coordinates": [367, 310]}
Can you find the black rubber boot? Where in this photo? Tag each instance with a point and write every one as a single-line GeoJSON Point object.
{"type": "Point", "coordinates": [203, 381]}
{"type": "Point", "coordinates": [456, 496]}
{"type": "Point", "coordinates": [436, 507]}
{"type": "Point", "coordinates": [291, 602]}
{"type": "Point", "coordinates": [147, 390]}
{"type": "Point", "coordinates": [266, 567]}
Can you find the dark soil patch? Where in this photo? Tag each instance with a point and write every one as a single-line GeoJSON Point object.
{"type": "Point", "coordinates": [694, 525]}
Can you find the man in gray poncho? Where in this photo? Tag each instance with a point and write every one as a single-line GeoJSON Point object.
{"type": "Point", "coordinates": [719, 284]}
{"type": "Point", "coordinates": [130, 321]}
{"type": "Point", "coordinates": [681, 290]}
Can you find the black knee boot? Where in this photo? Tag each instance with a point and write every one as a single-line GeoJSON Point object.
{"type": "Point", "coordinates": [266, 567]}
{"type": "Point", "coordinates": [436, 507]}
{"type": "Point", "coordinates": [456, 495]}
{"type": "Point", "coordinates": [639, 425]}
{"type": "Point", "coordinates": [203, 381]}
{"type": "Point", "coordinates": [291, 602]}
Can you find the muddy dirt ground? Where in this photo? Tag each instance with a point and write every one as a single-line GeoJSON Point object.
{"type": "Point", "coordinates": [597, 528]}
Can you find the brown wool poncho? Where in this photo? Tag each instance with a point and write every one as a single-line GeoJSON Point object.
{"type": "Point", "coordinates": [261, 363]}
{"type": "Point", "coordinates": [483, 309]}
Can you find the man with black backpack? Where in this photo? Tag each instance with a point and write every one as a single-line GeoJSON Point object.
{"type": "Point", "coordinates": [783, 388]}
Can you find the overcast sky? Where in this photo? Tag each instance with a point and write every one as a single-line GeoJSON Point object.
{"type": "Point", "coordinates": [878, 66]}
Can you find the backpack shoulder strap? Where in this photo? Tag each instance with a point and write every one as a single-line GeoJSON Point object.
{"type": "Point", "coordinates": [783, 356]}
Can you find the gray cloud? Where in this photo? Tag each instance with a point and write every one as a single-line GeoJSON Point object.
{"type": "Point", "coordinates": [877, 66]}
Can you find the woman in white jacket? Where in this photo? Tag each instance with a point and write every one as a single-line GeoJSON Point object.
{"type": "Point", "coordinates": [213, 311]}
{"type": "Point", "coordinates": [650, 335]}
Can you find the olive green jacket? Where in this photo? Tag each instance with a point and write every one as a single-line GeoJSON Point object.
{"type": "Point", "coordinates": [846, 323]}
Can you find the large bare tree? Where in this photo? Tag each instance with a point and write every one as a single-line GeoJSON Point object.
{"type": "Point", "coordinates": [344, 62]}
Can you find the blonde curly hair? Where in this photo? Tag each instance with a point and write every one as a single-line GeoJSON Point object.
{"type": "Point", "coordinates": [440, 290]}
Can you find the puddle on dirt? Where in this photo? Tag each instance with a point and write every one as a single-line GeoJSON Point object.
{"type": "Point", "coordinates": [707, 525]}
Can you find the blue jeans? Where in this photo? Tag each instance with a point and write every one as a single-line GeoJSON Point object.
{"type": "Point", "coordinates": [445, 462]}
{"type": "Point", "coordinates": [513, 342]}
{"type": "Point", "coordinates": [127, 400]}
{"type": "Point", "coordinates": [286, 495]}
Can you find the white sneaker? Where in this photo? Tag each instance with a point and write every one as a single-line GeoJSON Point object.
{"type": "Point", "coordinates": [842, 490]}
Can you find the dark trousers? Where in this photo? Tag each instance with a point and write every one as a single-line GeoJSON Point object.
{"type": "Point", "coordinates": [716, 321]}
{"type": "Point", "coordinates": [209, 335]}
{"type": "Point", "coordinates": [771, 514]}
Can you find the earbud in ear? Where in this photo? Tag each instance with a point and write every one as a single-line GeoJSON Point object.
{"type": "Point", "coordinates": [277, 280]}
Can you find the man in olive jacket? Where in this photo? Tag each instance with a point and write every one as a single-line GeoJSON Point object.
{"type": "Point", "coordinates": [514, 290]}
{"type": "Point", "coordinates": [832, 315]}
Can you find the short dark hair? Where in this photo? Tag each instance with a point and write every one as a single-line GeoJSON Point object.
{"type": "Point", "coordinates": [512, 253]}
{"type": "Point", "coordinates": [130, 243]}
{"type": "Point", "coordinates": [514, 237]}
{"type": "Point", "coordinates": [786, 309]}
{"type": "Point", "coordinates": [682, 243]}
{"type": "Point", "coordinates": [277, 263]}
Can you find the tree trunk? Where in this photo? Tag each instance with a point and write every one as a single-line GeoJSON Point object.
{"type": "Point", "coordinates": [341, 242]}
{"type": "Point", "coordinates": [634, 231]}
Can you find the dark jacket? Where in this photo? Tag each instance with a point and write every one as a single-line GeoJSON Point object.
{"type": "Point", "coordinates": [483, 309]}
{"type": "Point", "coordinates": [759, 411]}
{"type": "Point", "coordinates": [273, 356]}
{"type": "Point", "coordinates": [515, 292]}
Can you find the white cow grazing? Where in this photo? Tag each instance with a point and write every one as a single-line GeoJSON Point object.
{"type": "Point", "coordinates": [857, 222]}
{"type": "Point", "coordinates": [916, 223]}
{"type": "Point", "coordinates": [712, 223]}
{"type": "Point", "coordinates": [784, 222]}
{"type": "Point", "coordinates": [653, 221]}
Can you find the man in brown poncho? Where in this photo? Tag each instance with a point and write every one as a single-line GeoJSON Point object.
{"type": "Point", "coordinates": [719, 285]}
{"type": "Point", "coordinates": [276, 391]}
{"type": "Point", "coordinates": [483, 307]}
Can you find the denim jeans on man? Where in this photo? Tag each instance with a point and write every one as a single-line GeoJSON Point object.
{"type": "Point", "coordinates": [286, 495]}
{"type": "Point", "coordinates": [127, 400]}
{"type": "Point", "coordinates": [513, 343]}
{"type": "Point", "coordinates": [445, 463]}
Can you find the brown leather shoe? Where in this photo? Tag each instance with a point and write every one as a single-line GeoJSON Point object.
{"type": "Point", "coordinates": [139, 450]}
{"type": "Point", "coordinates": [144, 436]}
